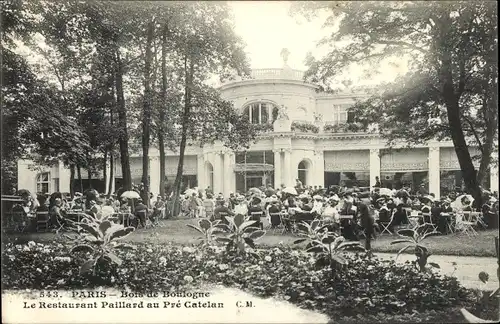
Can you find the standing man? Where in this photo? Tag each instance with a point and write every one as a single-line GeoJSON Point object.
{"type": "Point", "coordinates": [377, 182]}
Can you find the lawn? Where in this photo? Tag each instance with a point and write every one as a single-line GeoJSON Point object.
{"type": "Point", "coordinates": [177, 231]}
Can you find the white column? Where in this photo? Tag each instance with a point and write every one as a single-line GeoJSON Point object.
{"type": "Point", "coordinates": [250, 113]}
{"type": "Point", "coordinates": [287, 170]}
{"type": "Point", "coordinates": [494, 178]}
{"type": "Point", "coordinates": [318, 170]}
{"type": "Point", "coordinates": [434, 171]}
{"type": "Point", "coordinates": [64, 178]}
{"type": "Point", "coordinates": [229, 160]}
{"type": "Point", "coordinates": [278, 179]}
{"type": "Point", "coordinates": [154, 175]}
{"type": "Point", "coordinates": [218, 173]}
{"type": "Point", "coordinates": [200, 172]}
{"type": "Point", "coordinates": [374, 166]}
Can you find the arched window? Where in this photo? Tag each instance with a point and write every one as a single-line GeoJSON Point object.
{"type": "Point", "coordinates": [260, 112]}
{"type": "Point", "coordinates": [303, 172]}
{"type": "Point", "coordinates": [43, 182]}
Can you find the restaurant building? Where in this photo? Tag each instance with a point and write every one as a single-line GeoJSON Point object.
{"type": "Point", "coordinates": [306, 135]}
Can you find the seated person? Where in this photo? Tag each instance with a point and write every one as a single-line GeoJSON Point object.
{"type": "Point", "coordinates": [220, 207]}
{"type": "Point", "coordinates": [384, 216]}
{"type": "Point", "coordinates": [56, 214]}
{"type": "Point", "coordinates": [141, 212]}
{"type": "Point", "coordinates": [331, 215]}
{"type": "Point", "coordinates": [273, 209]}
{"type": "Point", "coordinates": [400, 216]}
{"type": "Point", "coordinates": [305, 204]}
{"type": "Point", "coordinates": [255, 207]}
{"type": "Point", "coordinates": [241, 207]}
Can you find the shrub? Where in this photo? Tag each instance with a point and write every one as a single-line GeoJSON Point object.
{"type": "Point", "coordinates": [98, 239]}
{"type": "Point", "coordinates": [415, 238]}
{"type": "Point", "coordinates": [304, 127]}
{"type": "Point", "coordinates": [368, 286]}
{"type": "Point", "coordinates": [239, 233]}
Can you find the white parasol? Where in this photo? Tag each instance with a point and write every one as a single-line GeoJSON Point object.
{"type": "Point", "coordinates": [290, 190]}
{"type": "Point", "coordinates": [190, 192]}
{"type": "Point", "coordinates": [130, 195]}
{"type": "Point", "coordinates": [385, 192]}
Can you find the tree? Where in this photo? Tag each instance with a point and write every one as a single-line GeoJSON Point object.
{"type": "Point", "coordinates": [449, 91]}
{"type": "Point", "coordinates": [207, 46]}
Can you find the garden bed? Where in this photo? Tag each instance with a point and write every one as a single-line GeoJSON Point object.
{"type": "Point", "coordinates": [366, 286]}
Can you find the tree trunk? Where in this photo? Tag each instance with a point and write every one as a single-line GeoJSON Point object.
{"type": "Point", "coordinates": [490, 104]}
{"type": "Point", "coordinates": [79, 172]}
{"type": "Point", "coordinates": [163, 106]}
{"type": "Point", "coordinates": [111, 174]}
{"type": "Point", "coordinates": [105, 169]}
{"type": "Point", "coordinates": [185, 119]}
{"type": "Point", "coordinates": [146, 116]}
{"type": "Point", "coordinates": [71, 180]}
{"type": "Point", "coordinates": [122, 122]}
{"type": "Point", "coordinates": [89, 174]}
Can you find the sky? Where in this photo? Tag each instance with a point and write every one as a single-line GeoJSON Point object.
{"type": "Point", "coordinates": [266, 27]}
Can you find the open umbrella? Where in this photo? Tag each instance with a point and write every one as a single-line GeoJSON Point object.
{"type": "Point", "coordinates": [385, 192]}
{"type": "Point", "coordinates": [424, 199]}
{"type": "Point", "coordinates": [402, 193]}
{"type": "Point", "coordinates": [130, 195]}
{"type": "Point", "coordinates": [23, 192]}
{"type": "Point", "coordinates": [190, 192]}
{"type": "Point", "coordinates": [290, 190]}
{"type": "Point", "coordinates": [269, 192]}
{"type": "Point", "coordinates": [255, 191]}
{"type": "Point", "coordinates": [461, 197]}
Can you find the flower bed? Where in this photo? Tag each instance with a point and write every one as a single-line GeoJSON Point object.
{"type": "Point", "coordinates": [366, 286]}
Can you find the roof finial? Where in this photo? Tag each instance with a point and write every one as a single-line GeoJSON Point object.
{"type": "Point", "coordinates": [284, 54]}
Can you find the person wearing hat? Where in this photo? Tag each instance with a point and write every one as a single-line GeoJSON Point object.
{"type": "Point", "coordinates": [256, 207]}
{"type": "Point", "coordinates": [330, 213]}
{"type": "Point", "coordinates": [241, 208]}
{"type": "Point", "coordinates": [317, 205]}
{"type": "Point", "coordinates": [305, 203]}
{"type": "Point", "coordinates": [220, 207]}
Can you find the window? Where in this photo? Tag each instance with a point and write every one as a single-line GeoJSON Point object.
{"type": "Point", "coordinates": [340, 114]}
{"type": "Point", "coordinates": [260, 113]}
{"type": "Point", "coordinates": [303, 170]}
{"type": "Point", "coordinates": [43, 182]}
{"type": "Point", "coordinates": [350, 117]}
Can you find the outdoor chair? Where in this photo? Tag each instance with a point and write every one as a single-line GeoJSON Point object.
{"type": "Point", "coordinates": [42, 221]}
{"type": "Point", "coordinates": [468, 222]}
{"type": "Point", "coordinates": [276, 222]}
{"type": "Point", "coordinates": [427, 221]}
{"type": "Point", "coordinates": [223, 219]}
{"type": "Point", "coordinates": [255, 216]}
{"type": "Point", "coordinates": [386, 225]}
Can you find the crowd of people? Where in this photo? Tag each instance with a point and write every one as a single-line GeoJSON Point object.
{"type": "Point", "coordinates": [366, 208]}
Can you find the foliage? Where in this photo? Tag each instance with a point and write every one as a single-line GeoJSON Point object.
{"type": "Point", "coordinates": [415, 237]}
{"type": "Point", "coordinates": [208, 229]}
{"type": "Point", "coordinates": [99, 239]}
{"type": "Point", "coordinates": [369, 286]}
{"type": "Point", "coordinates": [344, 128]}
{"type": "Point", "coordinates": [239, 233]}
{"type": "Point", "coordinates": [327, 246]}
{"type": "Point", "coordinates": [263, 128]}
{"type": "Point", "coordinates": [449, 91]}
{"type": "Point", "coordinates": [304, 127]}
{"type": "Point", "coordinates": [484, 298]}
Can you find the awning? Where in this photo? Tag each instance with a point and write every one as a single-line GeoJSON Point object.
{"type": "Point", "coordinates": [247, 167]}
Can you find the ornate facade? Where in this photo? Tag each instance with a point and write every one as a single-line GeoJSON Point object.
{"type": "Point", "coordinates": [306, 135]}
